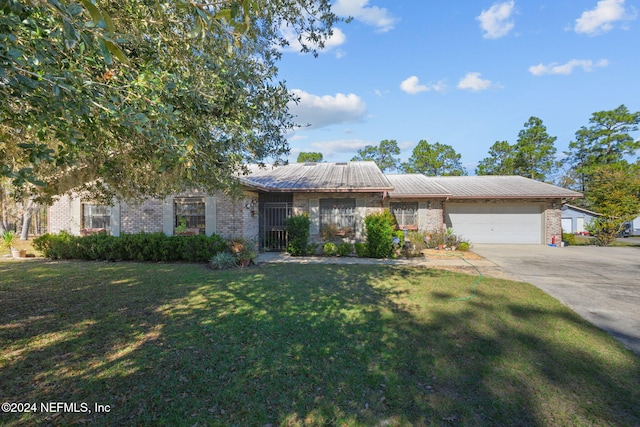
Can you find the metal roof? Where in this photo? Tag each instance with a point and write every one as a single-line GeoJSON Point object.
{"type": "Point", "coordinates": [415, 185]}
{"type": "Point", "coordinates": [367, 177]}
{"type": "Point", "coordinates": [320, 177]}
{"type": "Point", "coordinates": [500, 187]}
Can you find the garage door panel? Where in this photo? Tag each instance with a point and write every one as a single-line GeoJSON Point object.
{"type": "Point", "coordinates": [508, 223]}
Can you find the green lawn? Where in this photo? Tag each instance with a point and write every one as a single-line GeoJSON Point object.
{"type": "Point", "coordinates": [294, 345]}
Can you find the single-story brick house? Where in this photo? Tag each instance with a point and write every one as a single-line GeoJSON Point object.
{"type": "Point", "coordinates": [482, 209]}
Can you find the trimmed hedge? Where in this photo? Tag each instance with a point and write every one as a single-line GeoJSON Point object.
{"type": "Point", "coordinates": [298, 232]}
{"type": "Point", "coordinates": [380, 228]}
{"type": "Point", "coordinates": [130, 247]}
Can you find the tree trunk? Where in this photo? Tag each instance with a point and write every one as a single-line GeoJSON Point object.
{"type": "Point", "coordinates": [26, 219]}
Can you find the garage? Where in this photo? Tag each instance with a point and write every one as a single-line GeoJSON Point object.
{"type": "Point", "coordinates": [497, 222]}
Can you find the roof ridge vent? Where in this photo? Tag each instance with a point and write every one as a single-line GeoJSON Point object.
{"type": "Point", "coordinates": [310, 163]}
{"type": "Point", "coordinates": [342, 164]}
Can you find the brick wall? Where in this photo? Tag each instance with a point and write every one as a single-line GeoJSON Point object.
{"type": "Point", "coordinates": [142, 217]}
{"type": "Point", "coordinates": [59, 216]}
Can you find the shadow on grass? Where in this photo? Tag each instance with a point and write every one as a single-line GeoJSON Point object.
{"type": "Point", "coordinates": [302, 345]}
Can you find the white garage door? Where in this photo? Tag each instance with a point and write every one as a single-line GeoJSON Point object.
{"type": "Point", "coordinates": [496, 223]}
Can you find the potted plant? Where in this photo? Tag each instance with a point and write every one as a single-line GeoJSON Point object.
{"type": "Point", "coordinates": [7, 241]}
{"type": "Point", "coordinates": [245, 256]}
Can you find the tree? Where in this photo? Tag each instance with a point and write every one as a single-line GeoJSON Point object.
{"type": "Point", "coordinates": [501, 160]}
{"type": "Point", "coordinates": [606, 141]}
{"type": "Point", "coordinates": [304, 157]}
{"type": "Point", "coordinates": [162, 96]}
{"type": "Point", "coordinates": [614, 191]}
{"type": "Point", "coordinates": [383, 155]}
{"type": "Point", "coordinates": [434, 160]}
{"type": "Point", "coordinates": [535, 152]}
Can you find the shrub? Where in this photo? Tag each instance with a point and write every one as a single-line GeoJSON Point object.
{"type": "Point", "coordinates": [130, 247]}
{"type": "Point", "coordinates": [223, 260]}
{"type": "Point", "coordinates": [464, 246]}
{"type": "Point", "coordinates": [345, 249]}
{"type": "Point", "coordinates": [312, 249]}
{"type": "Point", "coordinates": [379, 230]}
{"type": "Point", "coordinates": [329, 249]}
{"type": "Point", "coordinates": [569, 239]}
{"type": "Point", "coordinates": [361, 249]}
{"type": "Point", "coordinates": [298, 234]}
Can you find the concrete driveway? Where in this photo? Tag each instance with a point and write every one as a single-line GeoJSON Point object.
{"type": "Point", "coordinates": [600, 284]}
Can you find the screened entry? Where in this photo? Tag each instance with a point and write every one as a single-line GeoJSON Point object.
{"type": "Point", "coordinates": [274, 211]}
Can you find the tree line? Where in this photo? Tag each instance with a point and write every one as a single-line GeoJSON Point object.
{"type": "Point", "coordinates": [601, 162]}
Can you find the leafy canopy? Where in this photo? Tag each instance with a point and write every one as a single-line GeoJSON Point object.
{"type": "Point", "coordinates": [309, 156]}
{"type": "Point", "coordinates": [384, 155]}
{"type": "Point", "coordinates": [434, 160]}
{"type": "Point", "coordinates": [134, 99]}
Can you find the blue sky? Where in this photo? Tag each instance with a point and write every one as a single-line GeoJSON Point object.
{"type": "Point", "coordinates": [465, 73]}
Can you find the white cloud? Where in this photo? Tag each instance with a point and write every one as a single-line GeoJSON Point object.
{"type": "Point", "coordinates": [555, 68]}
{"type": "Point", "coordinates": [378, 17]}
{"type": "Point", "coordinates": [321, 111]}
{"type": "Point", "coordinates": [337, 39]}
{"type": "Point", "coordinates": [412, 86]}
{"type": "Point", "coordinates": [473, 82]}
{"type": "Point", "coordinates": [495, 22]}
{"type": "Point", "coordinates": [339, 146]}
{"type": "Point", "coordinates": [601, 19]}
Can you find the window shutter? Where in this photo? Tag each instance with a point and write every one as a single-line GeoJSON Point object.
{"type": "Point", "coordinates": [115, 219]}
{"type": "Point", "coordinates": [314, 216]}
{"type": "Point", "coordinates": [210, 215]}
{"type": "Point", "coordinates": [167, 216]}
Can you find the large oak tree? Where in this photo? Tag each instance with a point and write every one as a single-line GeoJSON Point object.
{"type": "Point", "coordinates": [145, 98]}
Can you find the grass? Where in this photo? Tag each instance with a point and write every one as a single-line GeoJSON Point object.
{"type": "Point", "coordinates": [301, 345]}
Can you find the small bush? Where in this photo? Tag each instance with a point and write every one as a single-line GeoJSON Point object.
{"type": "Point", "coordinates": [329, 249]}
{"type": "Point", "coordinates": [223, 261]}
{"type": "Point", "coordinates": [361, 249]}
{"type": "Point", "coordinates": [464, 246]}
{"type": "Point", "coordinates": [298, 234]}
{"type": "Point", "coordinates": [569, 239]}
{"type": "Point", "coordinates": [379, 229]}
{"type": "Point", "coordinates": [345, 249]}
{"type": "Point", "coordinates": [312, 249]}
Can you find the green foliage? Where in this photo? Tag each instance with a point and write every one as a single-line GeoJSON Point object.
{"type": "Point", "coordinates": [361, 249]}
{"type": "Point", "coordinates": [312, 249]}
{"type": "Point", "coordinates": [434, 160]}
{"type": "Point", "coordinates": [130, 247]}
{"type": "Point", "coordinates": [383, 155]}
{"type": "Point", "coordinates": [329, 249]}
{"type": "Point", "coordinates": [162, 96]}
{"type": "Point", "coordinates": [311, 157]}
{"type": "Point", "coordinates": [534, 151]}
{"type": "Point", "coordinates": [223, 261]}
{"type": "Point", "coordinates": [605, 142]}
{"type": "Point", "coordinates": [7, 239]}
{"type": "Point", "coordinates": [379, 231]}
{"type": "Point", "coordinates": [298, 233]}
{"type": "Point", "coordinates": [345, 249]}
{"type": "Point", "coordinates": [604, 230]}
{"type": "Point", "coordinates": [501, 160]}
{"type": "Point", "coordinates": [569, 239]}
{"type": "Point", "coordinates": [464, 246]}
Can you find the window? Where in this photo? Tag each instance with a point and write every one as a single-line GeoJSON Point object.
{"type": "Point", "coordinates": [339, 214]}
{"type": "Point", "coordinates": [96, 217]}
{"type": "Point", "coordinates": [406, 214]}
{"type": "Point", "coordinates": [189, 214]}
